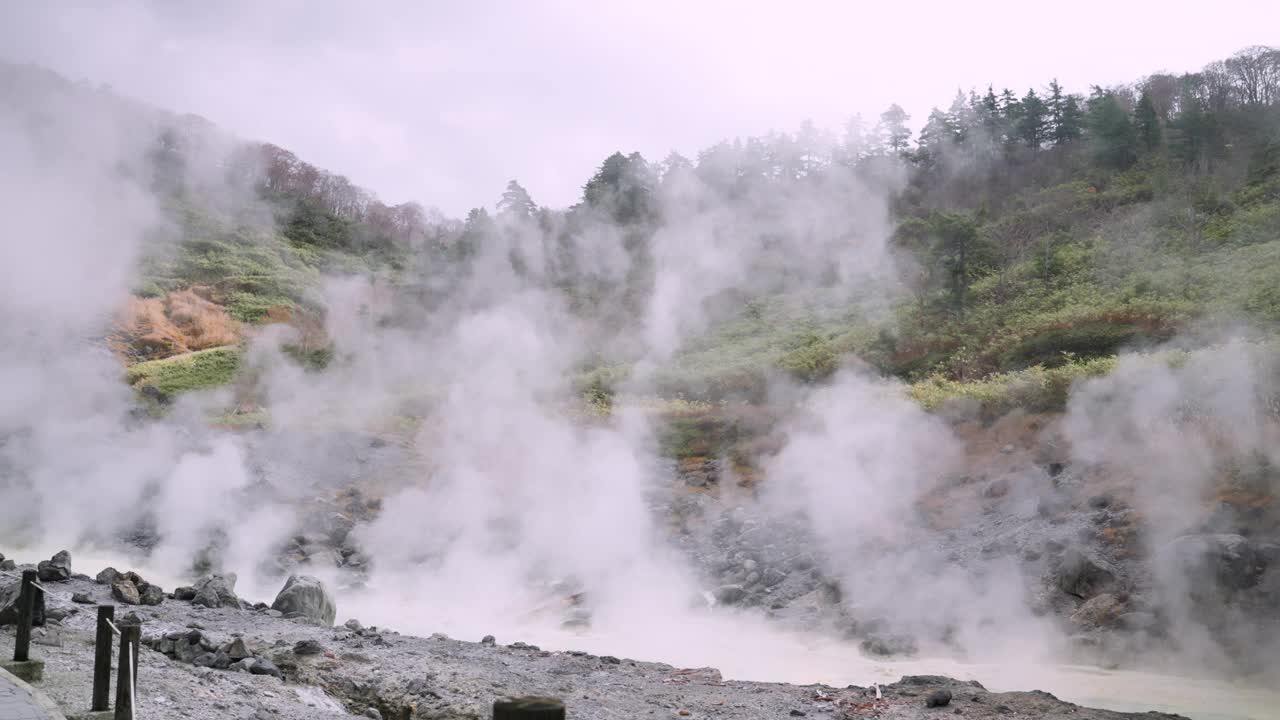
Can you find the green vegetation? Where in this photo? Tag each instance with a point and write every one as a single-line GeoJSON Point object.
{"type": "Point", "coordinates": [193, 371]}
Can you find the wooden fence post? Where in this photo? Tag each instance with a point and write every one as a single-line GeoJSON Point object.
{"type": "Point", "coordinates": [528, 708]}
{"type": "Point", "coordinates": [102, 659]}
{"type": "Point", "coordinates": [26, 613]}
{"type": "Point", "coordinates": [127, 681]}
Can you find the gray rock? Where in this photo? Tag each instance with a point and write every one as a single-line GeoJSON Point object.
{"type": "Point", "coordinates": [1082, 575]}
{"type": "Point", "coordinates": [221, 661]}
{"type": "Point", "coordinates": [938, 698]}
{"type": "Point", "coordinates": [126, 592]}
{"type": "Point", "coordinates": [186, 592]}
{"type": "Point", "coordinates": [151, 595]}
{"type": "Point", "coordinates": [307, 647]}
{"type": "Point", "coordinates": [204, 660]}
{"type": "Point", "coordinates": [215, 591]}
{"type": "Point", "coordinates": [1232, 562]}
{"type": "Point", "coordinates": [263, 666]}
{"type": "Point", "coordinates": [353, 625]}
{"type": "Point", "coordinates": [108, 576]}
{"type": "Point", "coordinates": [889, 645]}
{"type": "Point", "coordinates": [237, 650]}
{"type": "Point", "coordinates": [730, 594]}
{"type": "Point", "coordinates": [81, 598]}
{"type": "Point", "coordinates": [57, 569]}
{"type": "Point", "coordinates": [243, 665]}
{"type": "Point", "coordinates": [308, 597]}
{"type": "Point", "coordinates": [8, 565]}
{"type": "Point", "coordinates": [374, 713]}
{"type": "Point", "coordinates": [488, 640]}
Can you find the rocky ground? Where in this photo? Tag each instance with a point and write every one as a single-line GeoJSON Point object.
{"type": "Point", "coordinates": [299, 668]}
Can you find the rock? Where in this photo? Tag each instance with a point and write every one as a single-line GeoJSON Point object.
{"type": "Point", "coordinates": [215, 591]}
{"type": "Point", "coordinates": [1099, 611]}
{"type": "Point", "coordinates": [57, 569]}
{"type": "Point", "coordinates": [81, 598]}
{"type": "Point", "coordinates": [1098, 502]}
{"type": "Point", "coordinates": [308, 597]}
{"type": "Point", "coordinates": [108, 576]}
{"type": "Point", "coordinates": [1230, 561]}
{"type": "Point", "coordinates": [10, 589]}
{"type": "Point", "coordinates": [186, 592]}
{"type": "Point", "coordinates": [730, 594]}
{"type": "Point", "coordinates": [997, 489]}
{"type": "Point", "coordinates": [243, 665]}
{"type": "Point", "coordinates": [263, 666]}
{"type": "Point", "coordinates": [151, 595]}
{"type": "Point", "coordinates": [126, 592]}
{"type": "Point", "coordinates": [488, 640]}
{"type": "Point", "coordinates": [353, 625]}
{"type": "Point", "coordinates": [1082, 575]}
{"type": "Point", "coordinates": [1138, 622]}
{"type": "Point", "coordinates": [8, 565]}
{"type": "Point", "coordinates": [773, 576]}
{"type": "Point", "coordinates": [307, 647]}
{"type": "Point", "coordinates": [887, 645]}
{"type": "Point", "coordinates": [221, 661]}
{"type": "Point", "coordinates": [237, 650]}
{"type": "Point", "coordinates": [204, 660]}
{"type": "Point", "coordinates": [373, 712]}
{"type": "Point", "coordinates": [938, 698]}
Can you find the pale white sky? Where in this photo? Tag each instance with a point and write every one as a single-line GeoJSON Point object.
{"type": "Point", "coordinates": [443, 102]}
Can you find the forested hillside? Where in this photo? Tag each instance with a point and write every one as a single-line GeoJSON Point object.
{"type": "Point", "coordinates": [1036, 231]}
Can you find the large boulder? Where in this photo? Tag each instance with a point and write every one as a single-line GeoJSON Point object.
{"type": "Point", "coordinates": [305, 596]}
{"type": "Point", "coordinates": [1082, 575]}
{"type": "Point", "coordinates": [58, 569]}
{"type": "Point", "coordinates": [10, 591]}
{"type": "Point", "coordinates": [126, 592]}
{"type": "Point", "coordinates": [1229, 562]}
{"type": "Point", "coordinates": [1101, 610]}
{"type": "Point", "coordinates": [214, 591]}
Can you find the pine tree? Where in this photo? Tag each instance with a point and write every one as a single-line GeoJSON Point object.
{"type": "Point", "coordinates": [1147, 122]}
{"type": "Point", "coordinates": [893, 129]}
{"type": "Point", "coordinates": [1070, 125]}
{"type": "Point", "coordinates": [1115, 141]}
{"type": "Point", "coordinates": [516, 202]}
{"type": "Point", "coordinates": [1032, 126]}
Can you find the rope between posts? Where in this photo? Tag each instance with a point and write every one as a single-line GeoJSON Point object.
{"type": "Point", "coordinates": [133, 684]}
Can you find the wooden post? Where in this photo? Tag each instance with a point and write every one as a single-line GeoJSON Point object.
{"type": "Point", "coordinates": [102, 659]}
{"type": "Point", "coordinates": [26, 613]}
{"type": "Point", "coordinates": [127, 681]}
{"type": "Point", "coordinates": [528, 708]}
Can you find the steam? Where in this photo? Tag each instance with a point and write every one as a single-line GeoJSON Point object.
{"type": "Point", "coordinates": [509, 497]}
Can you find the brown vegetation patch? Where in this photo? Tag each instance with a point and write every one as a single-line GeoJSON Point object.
{"type": "Point", "coordinates": [182, 321]}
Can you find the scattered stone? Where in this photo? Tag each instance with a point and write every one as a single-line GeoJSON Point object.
{"type": "Point", "coordinates": [353, 625]}
{"type": "Point", "coordinates": [1081, 575]}
{"type": "Point", "coordinates": [108, 576]}
{"type": "Point", "coordinates": [237, 650]}
{"type": "Point", "coordinates": [263, 666]}
{"type": "Point", "coordinates": [58, 569]}
{"type": "Point", "coordinates": [730, 594]}
{"type": "Point", "coordinates": [1099, 611]}
{"type": "Point", "coordinates": [151, 595]}
{"type": "Point", "coordinates": [374, 713]}
{"type": "Point", "coordinates": [307, 647]}
{"type": "Point", "coordinates": [186, 592]}
{"type": "Point", "coordinates": [488, 640]}
{"type": "Point", "coordinates": [938, 698]}
{"type": "Point", "coordinates": [997, 489]}
{"type": "Point", "coordinates": [81, 598]}
{"type": "Point", "coordinates": [797, 713]}
{"type": "Point", "coordinates": [308, 597]}
{"type": "Point", "coordinates": [1098, 502]}
{"type": "Point", "coordinates": [204, 660]}
{"type": "Point", "coordinates": [8, 565]}
{"type": "Point", "coordinates": [888, 645]}
{"type": "Point", "coordinates": [126, 592]}
{"type": "Point", "coordinates": [243, 665]}
{"type": "Point", "coordinates": [215, 591]}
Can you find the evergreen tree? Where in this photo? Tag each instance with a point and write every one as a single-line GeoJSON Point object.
{"type": "Point", "coordinates": [1032, 123]}
{"type": "Point", "coordinates": [621, 188]}
{"type": "Point", "coordinates": [893, 129]}
{"type": "Point", "coordinates": [1070, 124]}
{"type": "Point", "coordinates": [1147, 122]}
{"type": "Point", "coordinates": [1115, 141]}
{"type": "Point", "coordinates": [516, 202]}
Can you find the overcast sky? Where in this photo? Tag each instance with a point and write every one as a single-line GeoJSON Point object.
{"type": "Point", "coordinates": [443, 102]}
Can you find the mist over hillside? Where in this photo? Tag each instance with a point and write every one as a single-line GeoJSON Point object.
{"type": "Point", "coordinates": [1003, 390]}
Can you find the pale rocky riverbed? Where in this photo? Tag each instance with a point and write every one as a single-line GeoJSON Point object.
{"type": "Point", "coordinates": [338, 672]}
